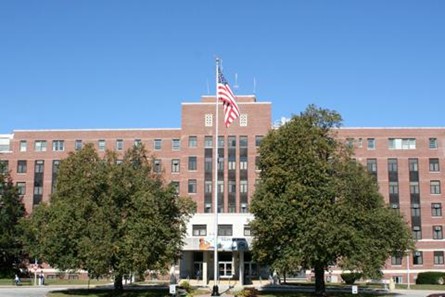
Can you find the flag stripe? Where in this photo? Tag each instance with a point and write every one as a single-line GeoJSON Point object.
{"type": "Point", "coordinates": [225, 94]}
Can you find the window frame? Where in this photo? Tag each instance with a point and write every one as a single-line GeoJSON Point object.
{"type": "Point", "coordinates": [225, 230]}
{"type": "Point", "coordinates": [192, 163]}
{"type": "Point", "coordinates": [199, 230]}
{"type": "Point", "coordinates": [192, 186]}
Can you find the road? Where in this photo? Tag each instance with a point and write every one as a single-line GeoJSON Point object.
{"type": "Point", "coordinates": [31, 291]}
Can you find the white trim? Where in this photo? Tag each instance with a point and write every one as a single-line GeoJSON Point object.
{"type": "Point", "coordinates": [100, 130]}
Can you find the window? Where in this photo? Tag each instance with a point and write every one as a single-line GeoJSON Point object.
{"type": "Point", "coordinates": [192, 185]}
{"type": "Point", "coordinates": [402, 143]}
{"type": "Point", "coordinates": [220, 141]}
{"type": "Point", "coordinates": [40, 145]}
{"type": "Point", "coordinates": [23, 145]}
{"type": "Point", "coordinates": [350, 142]}
{"type": "Point", "coordinates": [393, 187]}
{"type": "Point", "coordinates": [243, 163]}
{"type": "Point", "coordinates": [413, 165]}
{"type": "Point", "coordinates": [39, 166]}
{"type": "Point", "coordinates": [208, 142]}
{"type": "Point", "coordinates": [243, 141]}
{"type": "Point", "coordinates": [438, 258]}
{"type": "Point", "coordinates": [432, 143]}
{"type": "Point", "coordinates": [225, 230]}
{"type": "Point", "coordinates": [415, 210]}
{"type": "Point", "coordinates": [207, 207]}
{"type": "Point", "coordinates": [176, 144]}
{"type": "Point", "coordinates": [58, 145]}
{"type": "Point", "coordinates": [243, 186]}
{"type": "Point", "coordinates": [434, 165]}
{"type": "Point", "coordinates": [208, 120]}
{"type": "Point", "coordinates": [199, 230]}
{"type": "Point", "coordinates": [372, 165]}
{"type": "Point", "coordinates": [435, 187]}
{"type": "Point", "coordinates": [417, 258]}
{"type": "Point", "coordinates": [220, 164]}
{"type": "Point", "coordinates": [21, 166]}
{"type": "Point", "coordinates": [78, 145]}
{"type": "Point", "coordinates": [258, 140]}
{"type": "Point", "coordinates": [221, 186]}
{"type": "Point", "coordinates": [436, 209]}
{"type": "Point", "coordinates": [371, 144]}
{"type": "Point", "coordinates": [232, 162]}
{"type": "Point", "coordinates": [243, 207]}
{"type": "Point", "coordinates": [175, 165]}
{"type": "Point", "coordinates": [414, 188]}
{"type": "Point", "coordinates": [231, 141]}
{"type": "Point", "coordinates": [360, 143]}
{"type": "Point", "coordinates": [137, 142]}
{"type": "Point", "coordinates": [392, 165]}
{"type": "Point", "coordinates": [417, 233]}
{"type": "Point", "coordinates": [232, 186]}
{"type": "Point", "coordinates": [396, 259]}
{"type": "Point", "coordinates": [192, 164]}
{"type": "Point", "coordinates": [243, 120]}
{"type": "Point", "coordinates": [208, 162]}
{"type": "Point", "coordinates": [208, 186]}
{"type": "Point", "coordinates": [157, 144]}
{"type": "Point", "coordinates": [247, 230]}
{"type": "Point", "coordinates": [193, 141]}
{"type": "Point", "coordinates": [21, 186]}
{"type": "Point", "coordinates": [119, 144]}
{"type": "Point", "coordinates": [437, 232]}
{"type": "Point", "coordinates": [157, 165]}
{"type": "Point", "coordinates": [101, 145]}
{"type": "Point", "coordinates": [38, 190]}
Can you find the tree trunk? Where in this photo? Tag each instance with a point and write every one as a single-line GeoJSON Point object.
{"type": "Point", "coordinates": [320, 289]}
{"type": "Point", "coordinates": [118, 286]}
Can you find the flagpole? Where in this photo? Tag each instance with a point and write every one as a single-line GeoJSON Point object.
{"type": "Point", "coordinates": [215, 207]}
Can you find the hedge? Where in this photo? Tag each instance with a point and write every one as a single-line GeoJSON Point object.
{"type": "Point", "coordinates": [431, 278]}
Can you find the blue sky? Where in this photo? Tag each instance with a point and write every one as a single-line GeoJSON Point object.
{"type": "Point", "coordinates": [129, 64]}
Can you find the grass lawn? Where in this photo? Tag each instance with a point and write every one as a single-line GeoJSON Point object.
{"type": "Point", "coordinates": [108, 293]}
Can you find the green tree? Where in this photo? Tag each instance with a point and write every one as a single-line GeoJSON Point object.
{"type": "Point", "coordinates": [11, 211]}
{"type": "Point", "coordinates": [108, 217]}
{"type": "Point", "coordinates": [316, 207]}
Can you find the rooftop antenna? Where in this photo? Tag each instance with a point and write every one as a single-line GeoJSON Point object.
{"type": "Point", "coordinates": [236, 86]}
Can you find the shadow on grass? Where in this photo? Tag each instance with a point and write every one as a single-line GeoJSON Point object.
{"type": "Point", "coordinates": [109, 292]}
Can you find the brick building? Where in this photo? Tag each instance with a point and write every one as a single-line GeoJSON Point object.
{"type": "Point", "coordinates": [406, 162]}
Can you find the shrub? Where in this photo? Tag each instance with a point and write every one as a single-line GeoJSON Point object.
{"type": "Point", "coordinates": [431, 278]}
{"type": "Point", "coordinates": [247, 292]}
{"type": "Point", "coordinates": [186, 286]}
{"type": "Point", "coordinates": [350, 278]}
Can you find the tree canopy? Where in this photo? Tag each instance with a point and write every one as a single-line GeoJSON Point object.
{"type": "Point", "coordinates": [315, 206]}
{"type": "Point", "coordinates": [109, 217]}
{"type": "Point", "coordinates": [11, 211]}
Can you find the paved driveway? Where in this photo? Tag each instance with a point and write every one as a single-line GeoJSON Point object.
{"type": "Point", "coordinates": [27, 291]}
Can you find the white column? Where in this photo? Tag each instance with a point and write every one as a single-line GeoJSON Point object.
{"type": "Point", "coordinates": [205, 270]}
{"type": "Point", "coordinates": [241, 267]}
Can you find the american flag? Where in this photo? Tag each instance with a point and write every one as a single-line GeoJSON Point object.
{"type": "Point", "coordinates": [225, 94]}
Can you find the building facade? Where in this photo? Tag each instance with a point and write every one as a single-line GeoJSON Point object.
{"type": "Point", "coordinates": [405, 161]}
